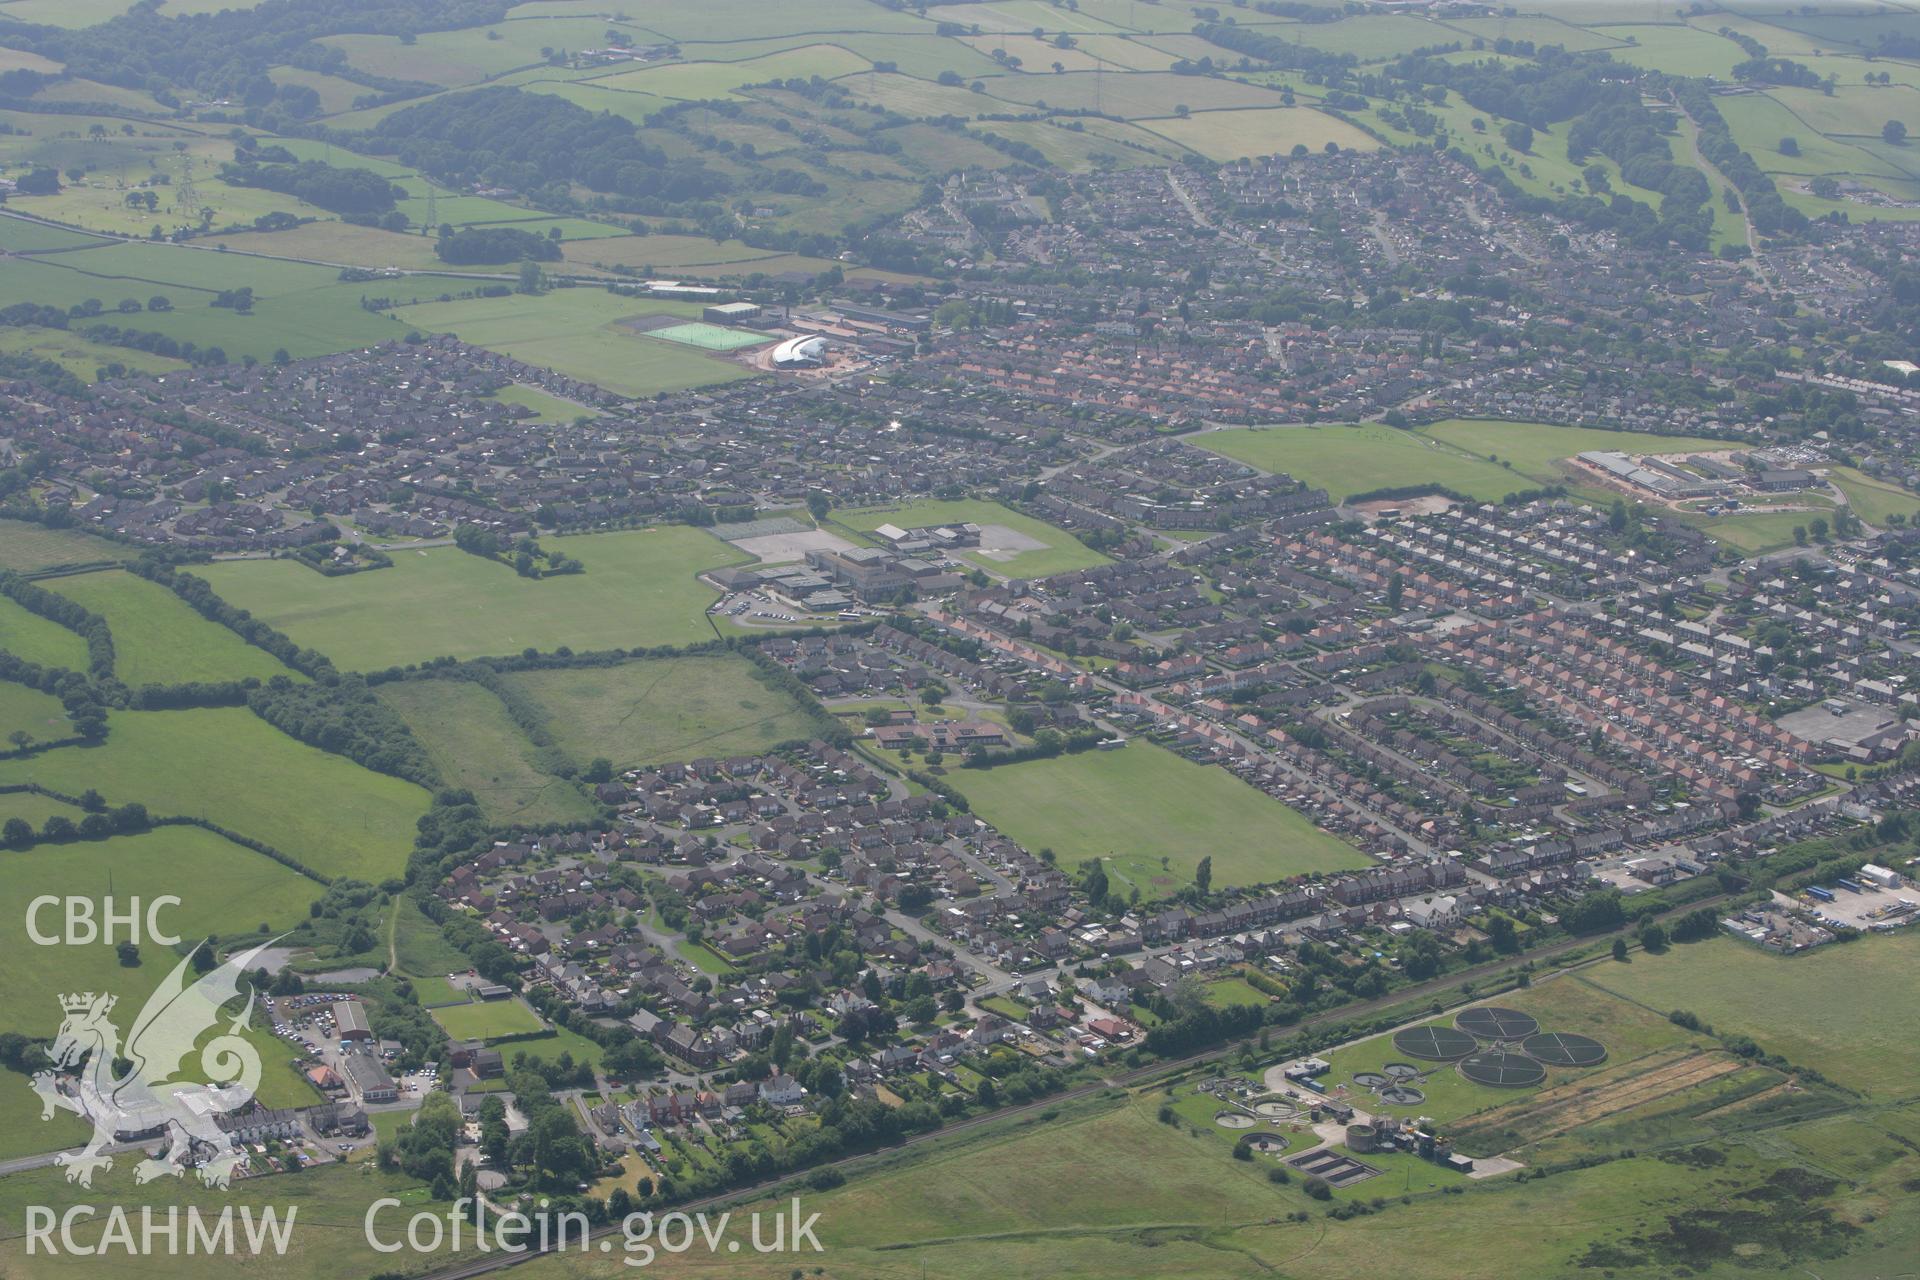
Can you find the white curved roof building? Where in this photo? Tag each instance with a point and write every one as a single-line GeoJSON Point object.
{"type": "Point", "coordinates": [805, 350]}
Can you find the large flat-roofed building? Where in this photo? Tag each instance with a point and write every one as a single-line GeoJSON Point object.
{"type": "Point", "coordinates": [889, 319]}
{"type": "Point", "coordinates": [731, 313]}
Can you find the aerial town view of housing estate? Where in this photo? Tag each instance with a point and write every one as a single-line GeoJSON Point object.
{"type": "Point", "coordinates": [886, 639]}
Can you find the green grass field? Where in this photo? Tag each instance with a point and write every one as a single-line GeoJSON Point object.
{"type": "Point", "coordinates": [1139, 805]}
{"type": "Point", "coordinates": [80, 356]}
{"type": "Point", "coordinates": [232, 768]}
{"type": "Point", "coordinates": [578, 332]}
{"type": "Point", "coordinates": [1874, 500]}
{"type": "Point", "coordinates": [1751, 533]}
{"type": "Point", "coordinates": [668, 709]}
{"type": "Point", "coordinates": [487, 1020]}
{"type": "Point", "coordinates": [223, 889]}
{"type": "Point", "coordinates": [24, 710]}
{"type": "Point", "coordinates": [28, 547]}
{"type": "Point", "coordinates": [302, 309]}
{"type": "Point", "coordinates": [157, 636]}
{"type": "Point", "coordinates": [1843, 1010]}
{"type": "Point", "coordinates": [639, 589]}
{"type": "Point", "coordinates": [550, 408]}
{"type": "Point", "coordinates": [1060, 551]}
{"type": "Point", "coordinates": [475, 745]}
{"type": "Point", "coordinates": [419, 948]}
{"type": "Point", "coordinates": [35, 809]}
{"type": "Point", "coordinates": [1230, 134]}
{"type": "Point", "coordinates": [561, 1041]}
{"type": "Point", "coordinates": [36, 639]}
{"type": "Point", "coordinates": [326, 1204]}
{"type": "Point", "coordinates": [1349, 460]}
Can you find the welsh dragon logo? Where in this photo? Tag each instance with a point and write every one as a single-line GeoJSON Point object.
{"type": "Point", "coordinates": [146, 1096]}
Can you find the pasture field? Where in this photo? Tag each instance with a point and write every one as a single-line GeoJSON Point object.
{"type": "Point", "coordinates": [918, 98]}
{"type": "Point", "coordinates": [29, 711]}
{"type": "Point", "coordinates": [639, 590]}
{"type": "Point", "coordinates": [1841, 1010]}
{"type": "Point", "coordinates": [336, 94]}
{"type": "Point", "coordinates": [1151, 816]}
{"type": "Point", "coordinates": [1758, 123]}
{"type": "Point", "coordinates": [1857, 110]}
{"type": "Point", "coordinates": [578, 332]}
{"type": "Point", "coordinates": [659, 710]}
{"type": "Point", "coordinates": [1541, 30]}
{"type": "Point", "coordinates": [1229, 135]}
{"type": "Point", "coordinates": [302, 309]}
{"type": "Point", "coordinates": [699, 254]}
{"type": "Point", "coordinates": [487, 1019]}
{"type": "Point", "coordinates": [325, 1204]}
{"type": "Point", "coordinates": [30, 636]}
{"type": "Point", "coordinates": [339, 243]}
{"type": "Point", "coordinates": [1349, 460]}
{"type": "Point", "coordinates": [470, 55]}
{"type": "Point", "coordinates": [82, 357]}
{"type": "Point", "coordinates": [19, 235]}
{"type": "Point", "coordinates": [1378, 38]}
{"type": "Point", "coordinates": [22, 1132]}
{"type": "Point", "coordinates": [699, 81]}
{"type": "Point", "coordinates": [1874, 500]}
{"type": "Point", "coordinates": [628, 105]}
{"type": "Point", "coordinates": [21, 60]}
{"type": "Point", "coordinates": [475, 744]}
{"type": "Point", "coordinates": [230, 767]}
{"type": "Point", "coordinates": [1059, 552]}
{"type": "Point", "coordinates": [1129, 95]}
{"type": "Point", "coordinates": [223, 889]}
{"type": "Point", "coordinates": [27, 548]}
{"type": "Point", "coordinates": [1678, 51]}
{"type": "Point", "coordinates": [1084, 148]}
{"type": "Point", "coordinates": [35, 809]}
{"type": "Point", "coordinates": [157, 636]}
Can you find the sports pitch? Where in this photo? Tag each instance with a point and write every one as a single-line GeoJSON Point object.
{"type": "Point", "coordinates": [709, 337]}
